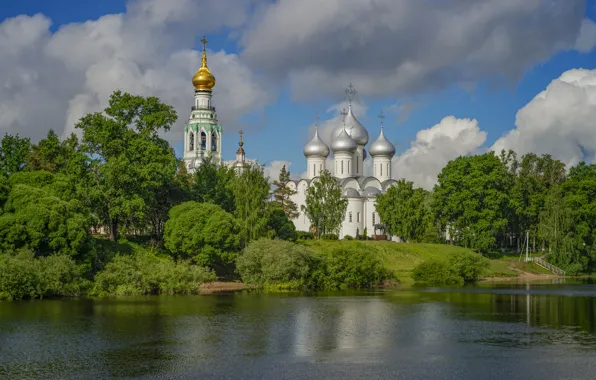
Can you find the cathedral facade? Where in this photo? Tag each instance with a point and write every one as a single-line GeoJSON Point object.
{"type": "Point", "coordinates": [348, 146]}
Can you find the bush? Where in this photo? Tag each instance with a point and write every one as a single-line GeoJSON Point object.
{"type": "Point", "coordinates": [435, 272]}
{"type": "Point", "coordinates": [348, 237]}
{"type": "Point", "coordinates": [330, 237]}
{"type": "Point", "coordinates": [23, 276]}
{"type": "Point", "coordinates": [144, 273]}
{"type": "Point", "coordinates": [303, 235]}
{"type": "Point", "coordinates": [469, 266]}
{"type": "Point", "coordinates": [355, 268]}
{"type": "Point", "coordinates": [270, 262]}
{"type": "Point", "coordinates": [281, 226]}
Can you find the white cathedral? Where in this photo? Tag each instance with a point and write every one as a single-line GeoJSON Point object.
{"type": "Point", "coordinates": [348, 144]}
{"type": "Point", "coordinates": [203, 138]}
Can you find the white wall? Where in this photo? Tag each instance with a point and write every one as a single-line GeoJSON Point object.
{"type": "Point", "coordinates": [350, 228]}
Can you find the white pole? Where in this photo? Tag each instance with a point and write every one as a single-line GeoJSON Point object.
{"type": "Point", "coordinates": [527, 243]}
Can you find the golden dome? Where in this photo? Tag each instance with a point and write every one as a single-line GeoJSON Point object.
{"type": "Point", "coordinates": [203, 80]}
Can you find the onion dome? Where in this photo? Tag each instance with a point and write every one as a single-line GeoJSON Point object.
{"type": "Point", "coordinates": [371, 192]}
{"type": "Point", "coordinates": [203, 80]}
{"type": "Point", "coordinates": [382, 147]}
{"type": "Point", "coordinates": [316, 147]}
{"type": "Point", "coordinates": [355, 130]}
{"type": "Point", "coordinates": [351, 193]}
{"type": "Point", "coordinates": [343, 143]}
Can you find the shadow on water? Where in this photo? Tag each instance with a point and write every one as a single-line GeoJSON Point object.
{"type": "Point", "coordinates": [420, 333]}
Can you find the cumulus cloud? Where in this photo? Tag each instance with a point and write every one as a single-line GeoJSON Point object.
{"type": "Point", "coordinates": [560, 120]}
{"type": "Point", "coordinates": [50, 80]}
{"type": "Point", "coordinates": [435, 147]}
{"type": "Point", "coordinates": [395, 47]}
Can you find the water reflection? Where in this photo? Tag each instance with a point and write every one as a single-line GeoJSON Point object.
{"type": "Point", "coordinates": [407, 332]}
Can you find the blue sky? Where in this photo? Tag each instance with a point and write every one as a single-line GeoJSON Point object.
{"type": "Point", "coordinates": [277, 128]}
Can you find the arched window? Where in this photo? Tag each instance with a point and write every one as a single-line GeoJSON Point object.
{"type": "Point", "coordinates": [388, 169]}
{"type": "Point", "coordinates": [350, 216]}
{"type": "Point", "coordinates": [213, 142]}
{"type": "Point", "coordinates": [314, 169]}
{"type": "Point", "coordinates": [191, 141]}
{"type": "Point", "coordinates": [348, 167]}
{"type": "Point", "coordinates": [342, 166]}
{"type": "Point", "coordinates": [381, 167]}
{"type": "Point", "coordinates": [203, 141]}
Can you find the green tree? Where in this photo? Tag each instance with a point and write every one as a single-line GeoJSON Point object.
{"type": "Point", "coordinates": [283, 194]}
{"type": "Point", "coordinates": [211, 184]}
{"type": "Point", "coordinates": [250, 189]}
{"type": "Point", "coordinates": [14, 151]}
{"type": "Point", "coordinates": [471, 200]}
{"type": "Point", "coordinates": [404, 210]}
{"type": "Point", "coordinates": [281, 227]}
{"type": "Point", "coordinates": [325, 206]}
{"type": "Point", "coordinates": [203, 232]}
{"type": "Point", "coordinates": [130, 162]}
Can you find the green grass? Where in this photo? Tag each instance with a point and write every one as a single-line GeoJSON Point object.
{"type": "Point", "coordinates": [402, 258]}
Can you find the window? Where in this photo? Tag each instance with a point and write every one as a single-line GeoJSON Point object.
{"type": "Point", "coordinates": [203, 141]}
{"type": "Point", "coordinates": [314, 169]}
{"type": "Point", "coordinates": [358, 217]}
{"type": "Point", "coordinates": [373, 218]}
{"type": "Point", "coordinates": [388, 169]}
{"type": "Point", "coordinates": [357, 159]}
{"type": "Point", "coordinates": [213, 142]}
{"type": "Point", "coordinates": [320, 167]}
{"type": "Point", "coordinates": [381, 166]}
{"type": "Point", "coordinates": [342, 166]}
{"type": "Point", "coordinates": [191, 141]}
{"type": "Point", "coordinates": [350, 217]}
{"type": "Point", "coordinates": [348, 167]}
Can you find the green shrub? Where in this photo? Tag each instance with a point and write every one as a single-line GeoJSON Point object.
{"type": "Point", "coordinates": [281, 227]}
{"type": "Point", "coordinates": [269, 262]}
{"type": "Point", "coordinates": [330, 237]}
{"type": "Point", "coordinates": [469, 266]}
{"type": "Point", "coordinates": [144, 273]}
{"type": "Point", "coordinates": [354, 268]}
{"type": "Point", "coordinates": [348, 237]}
{"type": "Point", "coordinates": [574, 269]}
{"type": "Point", "coordinates": [23, 276]}
{"type": "Point", "coordinates": [435, 272]}
{"type": "Point", "coordinates": [304, 235]}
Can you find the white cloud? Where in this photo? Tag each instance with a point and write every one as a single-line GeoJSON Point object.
{"type": "Point", "coordinates": [49, 80]}
{"type": "Point", "coordinates": [395, 47]}
{"type": "Point", "coordinates": [435, 147]}
{"type": "Point", "coordinates": [560, 120]}
{"type": "Point", "coordinates": [586, 41]}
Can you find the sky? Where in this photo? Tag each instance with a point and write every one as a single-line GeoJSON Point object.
{"type": "Point", "coordinates": [453, 77]}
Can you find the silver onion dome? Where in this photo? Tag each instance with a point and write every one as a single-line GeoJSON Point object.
{"type": "Point", "coordinates": [382, 147]}
{"type": "Point", "coordinates": [355, 130]}
{"type": "Point", "coordinates": [316, 147]}
{"type": "Point", "coordinates": [343, 143]}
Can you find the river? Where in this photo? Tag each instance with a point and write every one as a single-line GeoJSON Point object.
{"type": "Point", "coordinates": [502, 331]}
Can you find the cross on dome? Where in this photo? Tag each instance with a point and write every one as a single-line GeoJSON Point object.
{"type": "Point", "coordinates": [351, 93]}
{"type": "Point", "coordinates": [381, 117]}
{"type": "Point", "coordinates": [204, 41]}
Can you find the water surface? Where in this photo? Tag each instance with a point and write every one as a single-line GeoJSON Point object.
{"type": "Point", "coordinates": [501, 331]}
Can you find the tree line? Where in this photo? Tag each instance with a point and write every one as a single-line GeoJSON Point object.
{"type": "Point", "coordinates": [488, 202]}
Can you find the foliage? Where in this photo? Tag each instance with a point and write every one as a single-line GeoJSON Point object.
{"type": "Point", "coordinates": [330, 237]}
{"type": "Point", "coordinates": [325, 206]}
{"type": "Point", "coordinates": [144, 273]}
{"type": "Point", "coordinates": [37, 219]}
{"type": "Point", "coordinates": [471, 200]}
{"type": "Point", "coordinates": [459, 269]}
{"type": "Point", "coordinates": [283, 194]}
{"type": "Point", "coordinates": [348, 237]}
{"type": "Point", "coordinates": [280, 226]}
{"type": "Point", "coordinates": [13, 154]}
{"type": "Point", "coordinates": [130, 162]}
{"type": "Point", "coordinates": [250, 189]}
{"type": "Point", "coordinates": [436, 272]}
{"type": "Point", "coordinates": [212, 183]}
{"type": "Point", "coordinates": [269, 262]}
{"type": "Point", "coordinates": [404, 211]}
{"type": "Point", "coordinates": [344, 268]}
{"type": "Point", "coordinates": [204, 232]}
{"type": "Point", "coordinates": [305, 235]}
{"type": "Point", "coordinates": [23, 276]}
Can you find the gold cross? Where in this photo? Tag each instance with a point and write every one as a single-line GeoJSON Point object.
{"type": "Point", "coordinates": [204, 41]}
{"type": "Point", "coordinates": [241, 133]}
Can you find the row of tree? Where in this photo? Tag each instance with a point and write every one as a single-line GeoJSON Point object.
{"type": "Point", "coordinates": [493, 201]}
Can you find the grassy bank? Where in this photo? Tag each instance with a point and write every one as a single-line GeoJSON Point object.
{"type": "Point", "coordinates": [402, 258]}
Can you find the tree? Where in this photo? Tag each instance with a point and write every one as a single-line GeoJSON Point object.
{"type": "Point", "coordinates": [403, 210]}
{"type": "Point", "coordinates": [211, 184]}
{"type": "Point", "coordinates": [14, 151]}
{"type": "Point", "coordinates": [130, 162]}
{"type": "Point", "coordinates": [55, 156]}
{"type": "Point", "coordinates": [203, 232]}
{"type": "Point", "coordinates": [250, 189]}
{"type": "Point", "coordinates": [471, 198]}
{"type": "Point", "coordinates": [281, 227]}
{"type": "Point", "coordinates": [283, 194]}
{"type": "Point", "coordinates": [325, 206]}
